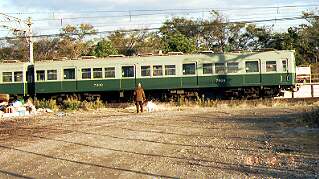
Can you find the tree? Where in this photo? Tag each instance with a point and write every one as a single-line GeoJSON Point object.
{"type": "Point", "coordinates": [233, 36]}
{"type": "Point", "coordinates": [309, 41]}
{"type": "Point", "coordinates": [104, 48]}
{"type": "Point", "coordinates": [16, 49]}
{"type": "Point", "coordinates": [178, 42]}
{"type": "Point", "coordinates": [255, 37]}
{"type": "Point", "coordinates": [152, 43]}
{"type": "Point", "coordinates": [46, 49]}
{"type": "Point", "coordinates": [127, 43]}
{"type": "Point", "coordinates": [72, 43]}
{"type": "Point", "coordinates": [186, 27]}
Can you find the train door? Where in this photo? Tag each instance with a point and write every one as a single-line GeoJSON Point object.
{"type": "Point", "coordinates": [69, 79]}
{"type": "Point", "coordinates": [252, 75]}
{"type": "Point", "coordinates": [128, 77]}
{"type": "Point", "coordinates": [285, 73]}
{"type": "Point", "coordinates": [30, 80]}
{"type": "Point", "coordinates": [190, 75]}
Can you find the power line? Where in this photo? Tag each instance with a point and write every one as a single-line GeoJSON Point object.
{"type": "Point", "coordinates": [171, 9]}
{"type": "Point", "coordinates": [120, 16]}
{"type": "Point", "coordinates": [114, 16]}
{"type": "Point", "coordinates": [157, 28]}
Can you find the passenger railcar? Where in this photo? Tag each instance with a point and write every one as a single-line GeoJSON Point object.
{"type": "Point", "coordinates": [249, 74]}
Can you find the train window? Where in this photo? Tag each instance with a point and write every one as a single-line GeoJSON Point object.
{"type": "Point", "coordinates": [52, 74]}
{"type": "Point", "coordinates": [271, 66]}
{"type": "Point", "coordinates": [157, 70]}
{"type": "Point", "coordinates": [97, 73]}
{"type": "Point", "coordinates": [170, 70]}
{"type": "Point", "coordinates": [145, 71]}
{"type": "Point", "coordinates": [6, 76]}
{"type": "Point", "coordinates": [69, 74]}
{"type": "Point", "coordinates": [128, 71]}
{"type": "Point", "coordinates": [220, 68]}
{"type": "Point", "coordinates": [207, 68]}
{"type": "Point", "coordinates": [252, 66]}
{"type": "Point", "coordinates": [40, 75]}
{"type": "Point", "coordinates": [110, 72]}
{"type": "Point", "coordinates": [86, 73]}
{"type": "Point", "coordinates": [18, 76]}
{"type": "Point", "coordinates": [189, 69]}
{"type": "Point", "coordinates": [232, 67]}
{"type": "Point", "coordinates": [284, 65]}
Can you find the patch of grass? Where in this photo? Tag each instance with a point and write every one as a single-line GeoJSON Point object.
{"type": "Point", "coordinates": [256, 103]}
{"type": "Point", "coordinates": [71, 104]}
{"type": "Point", "coordinates": [75, 104]}
{"type": "Point", "coordinates": [51, 104]}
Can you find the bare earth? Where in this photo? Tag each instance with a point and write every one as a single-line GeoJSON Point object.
{"type": "Point", "coordinates": [173, 143]}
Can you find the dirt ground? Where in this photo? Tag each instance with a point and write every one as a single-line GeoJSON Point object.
{"type": "Point", "coordinates": [172, 143]}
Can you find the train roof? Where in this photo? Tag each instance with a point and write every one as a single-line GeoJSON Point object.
{"type": "Point", "coordinates": [216, 57]}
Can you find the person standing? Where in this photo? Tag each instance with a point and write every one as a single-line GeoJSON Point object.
{"type": "Point", "coordinates": [139, 97]}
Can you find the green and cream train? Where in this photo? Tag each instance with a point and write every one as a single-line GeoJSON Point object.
{"type": "Point", "coordinates": [239, 75]}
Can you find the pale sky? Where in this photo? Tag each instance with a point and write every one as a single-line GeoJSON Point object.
{"type": "Point", "coordinates": [50, 15]}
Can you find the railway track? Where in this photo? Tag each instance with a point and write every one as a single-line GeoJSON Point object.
{"type": "Point", "coordinates": [249, 102]}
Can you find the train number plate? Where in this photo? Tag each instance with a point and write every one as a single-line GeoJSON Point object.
{"type": "Point", "coordinates": [98, 85]}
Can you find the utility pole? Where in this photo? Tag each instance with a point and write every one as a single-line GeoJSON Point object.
{"type": "Point", "coordinates": [11, 23]}
{"type": "Point", "coordinates": [29, 23]}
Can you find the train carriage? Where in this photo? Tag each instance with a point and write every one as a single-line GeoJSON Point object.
{"type": "Point", "coordinates": [13, 78]}
{"type": "Point", "coordinates": [233, 74]}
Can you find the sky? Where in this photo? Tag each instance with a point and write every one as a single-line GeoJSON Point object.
{"type": "Point", "coordinates": [49, 16]}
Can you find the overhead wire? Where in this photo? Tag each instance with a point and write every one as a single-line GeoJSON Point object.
{"type": "Point", "coordinates": [173, 12]}
{"type": "Point", "coordinates": [157, 28]}
{"type": "Point", "coordinates": [168, 9]}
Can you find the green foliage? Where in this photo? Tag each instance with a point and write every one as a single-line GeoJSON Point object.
{"type": "Point", "coordinates": [51, 104]}
{"type": "Point", "coordinates": [127, 43]}
{"type": "Point", "coordinates": [74, 104]}
{"type": "Point", "coordinates": [179, 43]}
{"type": "Point", "coordinates": [104, 48]}
{"type": "Point", "coordinates": [71, 104]}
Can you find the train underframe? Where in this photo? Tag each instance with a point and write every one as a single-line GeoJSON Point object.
{"type": "Point", "coordinates": [173, 94]}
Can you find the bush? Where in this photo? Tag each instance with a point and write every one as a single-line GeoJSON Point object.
{"type": "Point", "coordinates": [51, 104]}
{"type": "Point", "coordinates": [71, 104]}
{"type": "Point", "coordinates": [75, 104]}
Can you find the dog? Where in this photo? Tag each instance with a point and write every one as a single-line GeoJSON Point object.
{"type": "Point", "coordinates": [150, 106]}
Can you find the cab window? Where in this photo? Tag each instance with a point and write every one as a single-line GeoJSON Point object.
{"type": "Point", "coordinates": [271, 66]}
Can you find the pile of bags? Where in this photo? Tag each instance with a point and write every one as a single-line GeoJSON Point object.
{"type": "Point", "coordinates": [15, 108]}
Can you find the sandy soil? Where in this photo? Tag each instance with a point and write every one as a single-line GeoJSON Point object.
{"type": "Point", "coordinates": [172, 143]}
